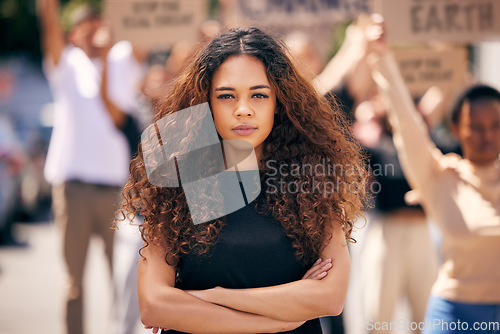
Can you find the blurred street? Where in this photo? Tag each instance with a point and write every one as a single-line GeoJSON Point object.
{"type": "Point", "coordinates": [31, 284]}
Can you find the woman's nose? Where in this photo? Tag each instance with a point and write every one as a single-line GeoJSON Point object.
{"type": "Point", "coordinates": [243, 109]}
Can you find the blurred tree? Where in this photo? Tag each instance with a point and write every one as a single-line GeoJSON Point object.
{"type": "Point", "coordinates": [20, 30]}
{"type": "Point", "coordinates": [214, 8]}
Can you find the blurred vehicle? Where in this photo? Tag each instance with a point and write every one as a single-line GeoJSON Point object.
{"type": "Point", "coordinates": [25, 129]}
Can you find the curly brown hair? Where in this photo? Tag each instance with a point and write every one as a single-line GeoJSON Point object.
{"type": "Point", "coordinates": [308, 130]}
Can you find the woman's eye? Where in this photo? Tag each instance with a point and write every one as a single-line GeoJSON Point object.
{"type": "Point", "coordinates": [260, 96]}
{"type": "Point", "coordinates": [478, 129]}
{"type": "Point", "coordinates": [224, 96]}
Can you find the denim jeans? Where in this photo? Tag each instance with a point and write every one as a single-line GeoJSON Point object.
{"type": "Point", "coordinates": [448, 317]}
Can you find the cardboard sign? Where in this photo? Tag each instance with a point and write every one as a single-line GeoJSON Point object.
{"type": "Point", "coordinates": [316, 18]}
{"type": "Point", "coordinates": [445, 20]}
{"type": "Point", "coordinates": [307, 13]}
{"type": "Point", "coordinates": [424, 68]}
{"type": "Point", "coordinates": [156, 24]}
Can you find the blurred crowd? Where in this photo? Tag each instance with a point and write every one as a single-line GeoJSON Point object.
{"type": "Point", "coordinates": [399, 254]}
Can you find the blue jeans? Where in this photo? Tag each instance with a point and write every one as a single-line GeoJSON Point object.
{"type": "Point", "coordinates": [447, 317]}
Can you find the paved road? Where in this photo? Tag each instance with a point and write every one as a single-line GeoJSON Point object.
{"type": "Point", "coordinates": [32, 284]}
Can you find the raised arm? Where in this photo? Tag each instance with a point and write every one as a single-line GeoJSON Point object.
{"type": "Point", "coordinates": [52, 33]}
{"type": "Point", "coordinates": [117, 115]}
{"type": "Point", "coordinates": [343, 63]}
{"type": "Point", "coordinates": [296, 301]}
{"type": "Point", "coordinates": [164, 306]}
{"type": "Point", "coordinates": [103, 41]}
{"type": "Point", "coordinates": [416, 151]}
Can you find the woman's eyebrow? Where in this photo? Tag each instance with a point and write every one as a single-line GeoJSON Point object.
{"type": "Point", "coordinates": [259, 87]}
{"type": "Point", "coordinates": [251, 88]}
{"type": "Point", "coordinates": [224, 88]}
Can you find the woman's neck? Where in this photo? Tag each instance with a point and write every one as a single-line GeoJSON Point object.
{"type": "Point", "coordinates": [242, 158]}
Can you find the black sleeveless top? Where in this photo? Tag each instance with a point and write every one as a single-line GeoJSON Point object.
{"type": "Point", "coordinates": [252, 251]}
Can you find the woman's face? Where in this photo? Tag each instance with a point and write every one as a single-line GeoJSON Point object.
{"type": "Point", "coordinates": [478, 131]}
{"type": "Point", "coordinates": [243, 101]}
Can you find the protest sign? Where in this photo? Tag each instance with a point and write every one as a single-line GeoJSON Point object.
{"type": "Point", "coordinates": [316, 18]}
{"type": "Point", "coordinates": [424, 68]}
{"type": "Point", "coordinates": [461, 21]}
{"type": "Point", "coordinates": [307, 13]}
{"type": "Point", "coordinates": [156, 24]}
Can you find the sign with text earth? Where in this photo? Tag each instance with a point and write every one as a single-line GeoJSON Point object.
{"type": "Point", "coordinates": [462, 21]}
{"type": "Point", "coordinates": [156, 24]}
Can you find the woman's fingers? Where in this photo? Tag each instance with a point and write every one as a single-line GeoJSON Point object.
{"type": "Point", "coordinates": [376, 35]}
{"type": "Point", "coordinates": [322, 270]}
{"type": "Point", "coordinates": [318, 270]}
{"type": "Point", "coordinates": [306, 275]}
{"type": "Point", "coordinates": [154, 329]}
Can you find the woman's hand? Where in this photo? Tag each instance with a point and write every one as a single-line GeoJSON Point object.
{"type": "Point", "coordinates": [319, 269]}
{"type": "Point", "coordinates": [154, 329]}
{"type": "Point", "coordinates": [375, 35]}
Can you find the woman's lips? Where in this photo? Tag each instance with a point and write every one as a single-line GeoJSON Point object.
{"type": "Point", "coordinates": [244, 130]}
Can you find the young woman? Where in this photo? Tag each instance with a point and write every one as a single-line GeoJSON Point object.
{"type": "Point", "coordinates": [282, 261]}
{"type": "Point", "coordinates": [461, 194]}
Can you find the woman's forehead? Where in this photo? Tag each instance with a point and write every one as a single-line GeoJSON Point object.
{"type": "Point", "coordinates": [241, 70]}
{"type": "Point", "coordinates": [482, 109]}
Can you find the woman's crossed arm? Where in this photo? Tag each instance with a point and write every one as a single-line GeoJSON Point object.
{"type": "Point", "coordinates": [296, 301]}
{"type": "Point", "coordinates": [163, 306]}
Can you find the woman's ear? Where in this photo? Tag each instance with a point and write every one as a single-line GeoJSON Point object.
{"type": "Point", "coordinates": [455, 131]}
